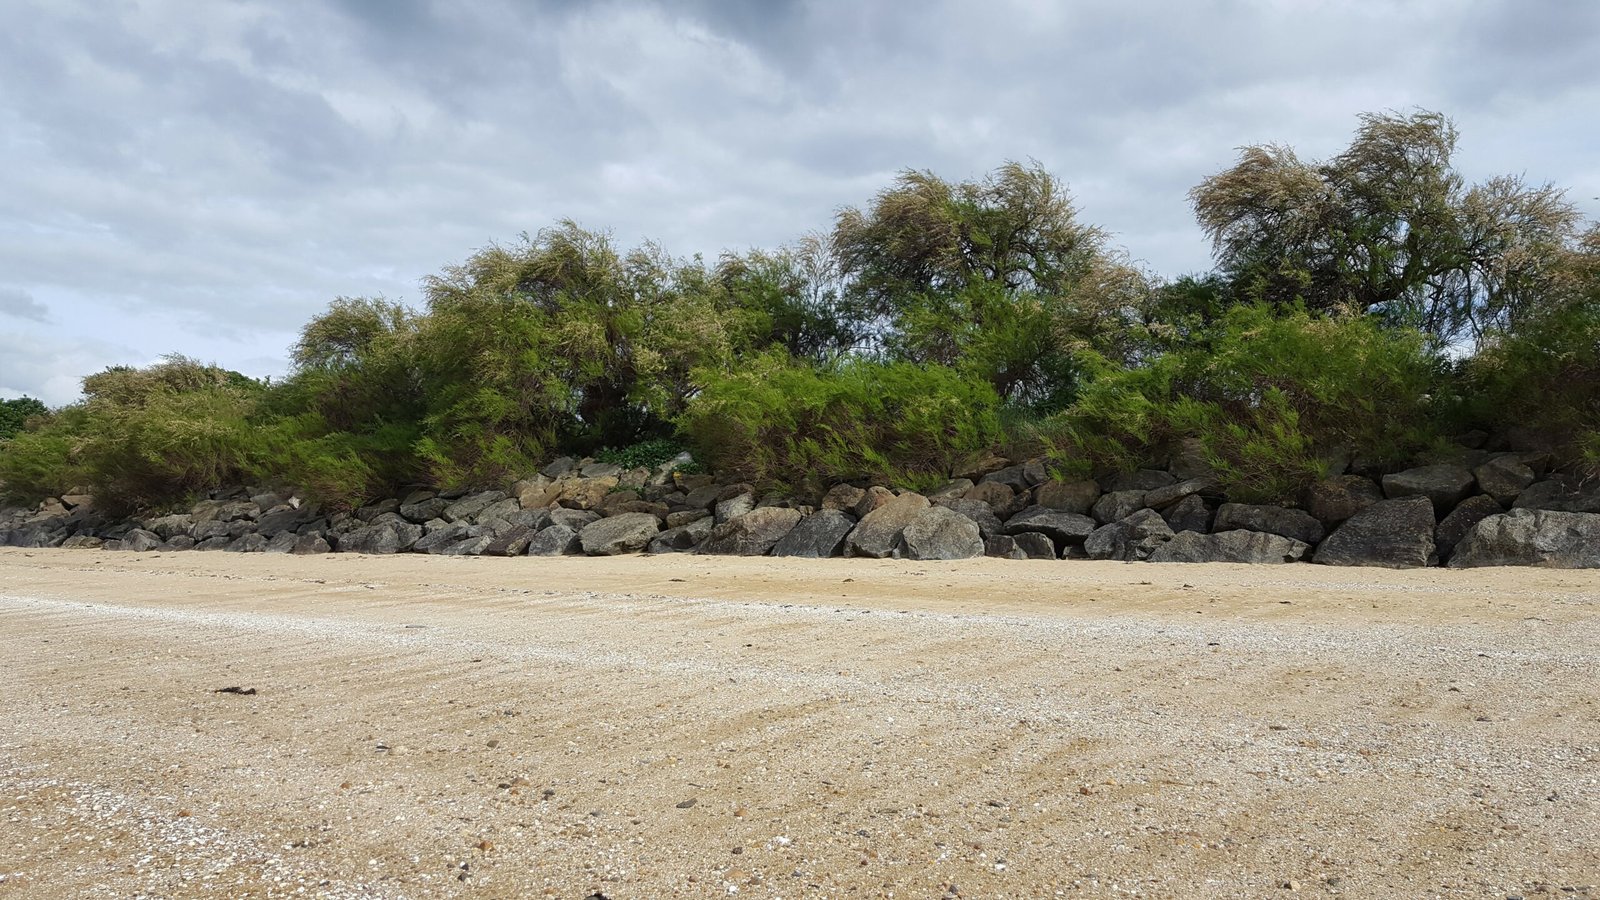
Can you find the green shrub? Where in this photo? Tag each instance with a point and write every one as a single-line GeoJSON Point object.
{"type": "Point", "coordinates": [778, 422]}
{"type": "Point", "coordinates": [645, 454]}
{"type": "Point", "coordinates": [43, 460]}
{"type": "Point", "coordinates": [14, 414]}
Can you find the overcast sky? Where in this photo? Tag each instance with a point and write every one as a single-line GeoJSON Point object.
{"type": "Point", "coordinates": [201, 176]}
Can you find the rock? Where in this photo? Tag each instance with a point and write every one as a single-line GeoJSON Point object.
{"type": "Point", "coordinates": [940, 533]}
{"type": "Point", "coordinates": [373, 539]}
{"type": "Point", "coordinates": [585, 493]}
{"type": "Point", "coordinates": [1469, 512]}
{"type": "Point", "coordinates": [1013, 477]}
{"type": "Point", "coordinates": [1062, 528]}
{"type": "Point", "coordinates": [843, 497]}
{"type": "Point", "coordinates": [1532, 537]}
{"type": "Point", "coordinates": [1034, 545]}
{"type": "Point", "coordinates": [1162, 497]}
{"type": "Point", "coordinates": [1140, 480]}
{"type": "Point", "coordinates": [139, 541]}
{"type": "Point", "coordinates": [438, 538]}
{"type": "Point", "coordinates": [871, 499]}
{"type": "Point", "coordinates": [282, 542]}
{"type": "Point", "coordinates": [751, 534]}
{"type": "Point", "coordinates": [310, 545]}
{"type": "Point", "coordinates": [471, 545]}
{"type": "Point", "coordinates": [77, 501]}
{"type": "Point", "coordinates": [248, 543]}
{"type": "Point", "coordinates": [407, 532]}
{"type": "Point", "coordinates": [734, 507]}
{"type": "Point", "coordinates": [1118, 505]}
{"type": "Point", "coordinates": [512, 542]}
{"type": "Point", "coordinates": [1237, 546]}
{"type": "Point", "coordinates": [1503, 477]}
{"type": "Point", "coordinates": [1189, 461]}
{"type": "Point", "coordinates": [1444, 485]}
{"type": "Point", "coordinates": [659, 510]}
{"type": "Point", "coordinates": [878, 533]}
{"type": "Point", "coordinates": [685, 516]}
{"type": "Point", "coordinates": [1001, 499]}
{"type": "Point", "coordinates": [601, 470]}
{"type": "Point", "coordinates": [469, 506]}
{"type": "Point", "coordinates": [818, 536]}
{"type": "Point", "coordinates": [1333, 500]}
{"type": "Point", "coordinates": [1562, 493]}
{"type": "Point", "coordinates": [627, 533]}
{"type": "Point", "coordinates": [703, 497]}
{"type": "Point", "coordinates": [215, 543]}
{"type": "Point", "coordinates": [1131, 538]}
{"type": "Point", "coordinates": [169, 527]}
{"type": "Point", "coordinates": [280, 519]}
{"type": "Point", "coordinates": [178, 542]}
{"type": "Point", "coordinates": [373, 510]}
{"type": "Point", "coordinates": [1004, 546]}
{"type": "Point", "coordinates": [1035, 472]}
{"type": "Point", "coordinates": [1189, 514]}
{"type": "Point", "coordinates": [425, 510]}
{"type": "Point", "coordinates": [556, 540]}
{"type": "Point", "coordinates": [977, 511]}
{"type": "Point", "coordinates": [500, 509]}
{"type": "Point", "coordinates": [1392, 533]}
{"type": "Point", "coordinates": [1068, 496]}
{"type": "Point", "coordinates": [1290, 523]}
{"type": "Point", "coordinates": [82, 542]}
{"type": "Point", "coordinates": [575, 519]}
{"type": "Point", "coordinates": [237, 510]}
{"type": "Point", "coordinates": [951, 490]}
{"type": "Point", "coordinates": [558, 467]}
{"type": "Point", "coordinates": [682, 538]}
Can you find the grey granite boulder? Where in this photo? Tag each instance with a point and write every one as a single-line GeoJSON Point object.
{"type": "Point", "coordinates": [940, 533]}
{"type": "Point", "coordinates": [1188, 514]}
{"type": "Point", "coordinates": [752, 534]}
{"type": "Point", "coordinates": [683, 538]}
{"type": "Point", "coordinates": [1061, 527]}
{"type": "Point", "coordinates": [1068, 496]}
{"type": "Point", "coordinates": [1444, 485]}
{"type": "Point", "coordinates": [1332, 500]}
{"type": "Point", "coordinates": [1131, 538]}
{"type": "Point", "coordinates": [1237, 546]}
{"type": "Point", "coordinates": [1118, 505]}
{"type": "Point", "coordinates": [818, 536]}
{"type": "Point", "coordinates": [878, 533]}
{"type": "Point", "coordinates": [1528, 537]}
{"type": "Point", "coordinates": [1395, 534]}
{"type": "Point", "coordinates": [988, 523]}
{"type": "Point", "coordinates": [1296, 524]}
{"type": "Point", "coordinates": [555, 540]}
{"type": "Point", "coordinates": [1504, 476]}
{"type": "Point", "coordinates": [1033, 545]}
{"type": "Point", "coordinates": [617, 535]}
{"type": "Point", "coordinates": [1469, 512]}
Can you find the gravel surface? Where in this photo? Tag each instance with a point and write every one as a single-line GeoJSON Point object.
{"type": "Point", "coordinates": [692, 727]}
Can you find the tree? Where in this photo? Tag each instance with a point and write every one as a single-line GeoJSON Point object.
{"type": "Point", "coordinates": [1388, 227]}
{"type": "Point", "coordinates": [16, 412]}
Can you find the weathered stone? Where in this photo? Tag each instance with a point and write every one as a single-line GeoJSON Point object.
{"type": "Point", "coordinates": [471, 545]}
{"type": "Point", "coordinates": [685, 516]}
{"type": "Point", "coordinates": [734, 507]}
{"type": "Point", "coordinates": [999, 496]}
{"type": "Point", "coordinates": [1139, 480]}
{"type": "Point", "coordinates": [425, 510]}
{"type": "Point", "coordinates": [1444, 485]}
{"type": "Point", "coordinates": [512, 542]}
{"type": "Point", "coordinates": [1290, 523]}
{"type": "Point", "coordinates": [373, 510]}
{"type": "Point", "coordinates": [978, 511]}
{"type": "Point", "coordinates": [1503, 477]}
{"type": "Point", "coordinates": [871, 499]}
{"type": "Point", "coordinates": [82, 542]}
{"type": "Point", "coordinates": [1529, 537]}
{"type": "Point", "coordinates": [1452, 528]}
{"type": "Point", "coordinates": [1004, 546]}
{"type": "Point", "coordinates": [1332, 500]}
{"type": "Point", "coordinates": [659, 510]}
{"type": "Point", "coordinates": [1068, 496]}
{"type": "Point", "coordinates": [407, 532]}
{"type": "Point", "coordinates": [438, 538]}
{"type": "Point", "coordinates": [703, 497]}
{"type": "Point", "coordinates": [278, 520]}
{"type": "Point", "coordinates": [1237, 546]}
{"type": "Point", "coordinates": [464, 509]}
{"type": "Point", "coordinates": [216, 543]}
{"type": "Point", "coordinates": [1189, 461]}
{"type": "Point", "coordinates": [601, 470]}
{"type": "Point", "coordinates": [282, 542]}
{"type": "Point", "coordinates": [818, 536]}
{"type": "Point", "coordinates": [682, 538]}
{"type": "Point", "coordinates": [534, 519]}
{"type": "Point", "coordinates": [878, 532]}
{"type": "Point", "coordinates": [940, 533]}
{"type": "Point", "coordinates": [1562, 493]}
{"type": "Point", "coordinates": [1395, 534]}
{"type": "Point", "coordinates": [169, 527]}
{"type": "Point", "coordinates": [627, 533]}
{"type": "Point", "coordinates": [1033, 545]}
{"type": "Point", "coordinates": [1188, 514]}
{"type": "Point", "coordinates": [140, 541]}
{"type": "Point", "coordinates": [1162, 497]}
{"type": "Point", "coordinates": [556, 540]}
{"type": "Point", "coordinates": [373, 539]}
{"type": "Point", "coordinates": [1118, 505]}
{"type": "Point", "coordinates": [236, 510]}
{"type": "Point", "coordinates": [500, 509]}
{"type": "Point", "coordinates": [310, 545]}
{"type": "Point", "coordinates": [178, 542]}
{"type": "Point", "coordinates": [954, 489]}
{"type": "Point", "coordinates": [1035, 472]}
{"type": "Point", "coordinates": [1062, 528]}
{"type": "Point", "coordinates": [585, 493]}
{"type": "Point", "coordinates": [558, 467]}
{"type": "Point", "coordinates": [575, 519]}
{"type": "Point", "coordinates": [1132, 538]}
{"type": "Point", "coordinates": [1013, 477]}
{"type": "Point", "coordinates": [248, 543]}
{"type": "Point", "coordinates": [843, 497]}
{"type": "Point", "coordinates": [751, 534]}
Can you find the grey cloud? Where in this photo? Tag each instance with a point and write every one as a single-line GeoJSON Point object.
{"type": "Point", "coordinates": [20, 304]}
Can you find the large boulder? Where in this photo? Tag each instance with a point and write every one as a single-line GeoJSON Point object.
{"type": "Point", "coordinates": [872, 498]}
{"type": "Point", "coordinates": [138, 540]}
{"type": "Point", "coordinates": [878, 533]}
{"type": "Point", "coordinates": [753, 533]}
{"type": "Point", "coordinates": [940, 533]}
{"type": "Point", "coordinates": [1445, 485]}
{"type": "Point", "coordinates": [1163, 497]}
{"type": "Point", "coordinates": [423, 506]}
{"type": "Point", "coordinates": [1238, 546]}
{"type": "Point", "coordinates": [1188, 514]}
{"type": "Point", "coordinates": [469, 506]}
{"type": "Point", "coordinates": [248, 543]}
{"type": "Point", "coordinates": [1395, 533]}
{"type": "Point", "coordinates": [954, 489]}
{"type": "Point", "coordinates": [437, 540]}
{"type": "Point", "coordinates": [1529, 537]}
{"type": "Point", "coordinates": [1118, 505]}
{"type": "Point", "coordinates": [1332, 500]}
{"type": "Point", "coordinates": [311, 545]}
{"type": "Point", "coordinates": [1562, 493]}
{"type": "Point", "coordinates": [978, 511]}
{"type": "Point", "coordinates": [999, 497]}
{"type": "Point", "coordinates": [511, 542]}
{"type": "Point", "coordinates": [575, 519]}
{"type": "Point", "coordinates": [1014, 477]}
{"type": "Point", "coordinates": [1469, 512]}
{"type": "Point", "coordinates": [614, 536]}
{"type": "Point", "coordinates": [1062, 528]}
{"type": "Point", "coordinates": [169, 527]}
{"type": "Point", "coordinates": [842, 497]}
{"type": "Point", "coordinates": [818, 536]}
{"type": "Point", "coordinates": [682, 538]}
{"type": "Point", "coordinates": [1504, 476]}
{"type": "Point", "coordinates": [372, 539]}
{"type": "Point", "coordinates": [1131, 538]}
{"type": "Point", "coordinates": [1032, 545]}
{"type": "Point", "coordinates": [556, 540]}
{"type": "Point", "coordinates": [280, 519]}
{"type": "Point", "coordinates": [734, 507]}
{"type": "Point", "coordinates": [1068, 496]}
{"type": "Point", "coordinates": [585, 493]}
{"type": "Point", "coordinates": [1296, 524]}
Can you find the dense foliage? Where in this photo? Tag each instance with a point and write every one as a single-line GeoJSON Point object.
{"type": "Point", "coordinates": [1364, 309]}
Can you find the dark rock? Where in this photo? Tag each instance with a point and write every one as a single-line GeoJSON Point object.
{"type": "Point", "coordinates": [818, 536]}
{"type": "Point", "coordinates": [169, 527]}
{"type": "Point", "coordinates": [1162, 497]}
{"type": "Point", "coordinates": [1068, 496]}
{"type": "Point", "coordinates": [575, 519]}
{"type": "Point", "coordinates": [237, 510]}
{"type": "Point", "coordinates": [1118, 505]}
{"type": "Point", "coordinates": [558, 467]}
{"type": "Point", "coordinates": [1393, 533]}
{"type": "Point", "coordinates": [1062, 528]}
{"type": "Point", "coordinates": [977, 511]}
{"type": "Point", "coordinates": [951, 490]}
{"type": "Point", "coordinates": [682, 538]}
{"type": "Point", "coordinates": [1013, 477]}
{"type": "Point", "coordinates": [1035, 472]}
{"type": "Point", "coordinates": [406, 532]}
{"type": "Point", "coordinates": [513, 542]}
{"type": "Point", "coordinates": [500, 509]}
{"type": "Point", "coordinates": [600, 470]}
{"type": "Point", "coordinates": [1000, 498]}
{"type": "Point", "coordinates": [1189, 514]}
{"type": "Point", "coordinates": [751, 534]}
{"type": "Point", "coordinates": [940, 533]}
{"type": "Point", "coordinates": [282, 542]}
{"type": "Point", "coordinates": [1333, 500]}
{"type": "Point", "coordinates": [437, 538]}
{"type": "Point", "coordinates": [469, 506]}
{"type": "Point", "coordinates": [1469, 512]}
{"type": "Point", "coordinates": [556, 540]}
{"type": "Point", "coordinates": [878, 533]}
{"type": "Point", "coordinates": [703, 497]}
{"type": "Point", "coordinates": [1529, 537]}
{"type": "Point", "coordinates": [659, 510]}
{"type": "Point", "coordinates": [215, 543]}
{"type": "Point", "coordinates": [1034, 545]}
{"type": "Point", "coordinates": [683, 517]}
{"type": "Point", "coordinates": [179, 542]}
{"type": "Point", "coordinates": [247, 543]}
{"type": "Point", "coordinates": [310, 545]}
{"type": "Point", "coordinates": [871, 499]}
{"type": "Point", "coordinates": [734, 507]}
{"type": "Point", "coordinates": [1004, 546]}
{"type": "Point", "coordinates": [86, 542]}
{"type": "Point", "coordinates": [842, 497]}
{"type": "Point", "coordinates": [471, 545]}
{"type": "Point", "coordinates": [1562, 493]}
{"type": "Point", "coordinates": [425, 510]}
{"type": "Point", "coordinates": [1237, 546]}
{"type": "Point", "coordinates": [373, 510]}
{"type": "Point", "coordinates": [140, 541]}
{"type": "Point", "coordinates": [1444, 485]}
{"type": "Point", "coordinates": [1503, 477]}
{"type": "Point", "coordinates": [373, 539]}
{"type": "Point", "coordinates": [614, 536]}
{"type": "Point", "coordinates": [1290, 523]}
{"type": "Point", "coordinates": [1140, 480]}
{"type": "Point", "coordinates": [278, 520]}
{"type": "Point", "coordinates": [1131, 538]}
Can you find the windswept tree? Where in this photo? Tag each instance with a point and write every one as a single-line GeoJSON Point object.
{"type": "Point", "coordinates": [1388, 226]}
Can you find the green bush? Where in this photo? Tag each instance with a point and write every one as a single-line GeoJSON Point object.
{"type": "Point", "coordinates": [14, 414]}
{"type": "Point", "coordinates": [782, 423]}
{"type": "Point", "coordinates": [43, 461]}
{"type": "Point", "coordinates": [645, 454]}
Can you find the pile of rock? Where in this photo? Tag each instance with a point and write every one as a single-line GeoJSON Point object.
{"type": "Point", "coordinates": [1502, 509]}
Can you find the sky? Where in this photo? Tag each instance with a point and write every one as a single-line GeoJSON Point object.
{"type": "Point", "coordinates": [203, 177]}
